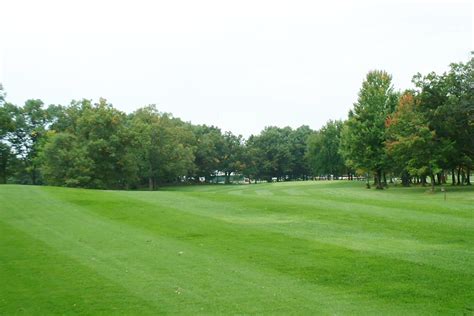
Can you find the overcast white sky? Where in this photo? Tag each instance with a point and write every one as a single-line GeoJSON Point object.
{"type": "Point", "coordinates": [239, 65]}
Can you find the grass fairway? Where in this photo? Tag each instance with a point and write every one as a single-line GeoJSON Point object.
{"type": "Point", "coordinates": [284, 248]}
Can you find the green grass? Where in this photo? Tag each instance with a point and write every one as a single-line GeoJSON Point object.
{"type": "Point", "coordinates": [283, 248]}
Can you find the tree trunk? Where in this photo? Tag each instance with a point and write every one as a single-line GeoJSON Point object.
{"type": "Point", "coordinates": [468, 174]}
{"type": "Point", "coordinates": [384, 180]}
{"type": "Point", "coordinates": [33, 175]}
{"type": "Point", "coordinates": [379, 180]}
{"type": "Point", "coordinates": [432, 176]}
{"type": "Point", "coordinates": [4, 172]}
{"type": "Point", "coordinates": [459, 176]}
{"type": "Point", "coordinates": [405, 179]}
{"type": "Point", "coordinates": [438, 178]}
{"type": "Point", "coordinates": [150, 177]}
{"type": "Point", "coordinates": [453, 177]}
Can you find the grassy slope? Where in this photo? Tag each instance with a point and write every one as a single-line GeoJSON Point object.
{"type": "Point", "coordinates": [269, 248]}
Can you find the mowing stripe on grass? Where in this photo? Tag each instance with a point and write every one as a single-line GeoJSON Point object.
{"type": "Point", "coordinates": [211, 250]}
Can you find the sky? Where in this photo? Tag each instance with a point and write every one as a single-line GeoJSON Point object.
{"type": "Point", "coordinates": [239, 65]}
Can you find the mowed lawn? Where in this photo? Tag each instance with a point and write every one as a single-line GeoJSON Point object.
{"type": "Point", "coordinates": [282, 248]}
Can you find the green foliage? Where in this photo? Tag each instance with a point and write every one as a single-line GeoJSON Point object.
{"type": "Point", "coordinates": [6, 122]}
{"type": "Point", "coordinates": [162, 146]}
{"type": "Point", "coordinates": [459, 116]}
{"type": "Point", "coordinates": [432, 129]}
{"type": "Point", "coordinates": [324, 150]}
{"type": "Point", "coordinates": [7, 160]}
{"type": "Point", "coordinates": [364, 136]}
{"type": "Point", "coordinates": [279, 152]}
{"type": "Point", "coordinates": [411, 142]}
{"type": "Point", "coordinates": [98, 134]}
{"type": "Point", "coordinates": [231, 157]}
{"type": "Point", "coordinates": [271, 152]}
{"type": "Point", "coordinates": [65, 161]}
{"type": "Point", "coordinates": [207, 148]}
{"type": "Point", "coordinates": [23, 133]}
{"type": "Point", "coordinates": [428, 135]}
{"type": "Point", "coordinates": [299, 147]}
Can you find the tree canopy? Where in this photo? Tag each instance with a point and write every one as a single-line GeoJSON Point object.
{"type": "Point", "coordinates": [424, 132]}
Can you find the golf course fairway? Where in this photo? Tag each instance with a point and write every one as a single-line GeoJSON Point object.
{"type": "Point", "coordinates": [329, 247]}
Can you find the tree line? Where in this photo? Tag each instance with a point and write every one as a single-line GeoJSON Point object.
{"type": "Point", "coordinates": [413, 135]}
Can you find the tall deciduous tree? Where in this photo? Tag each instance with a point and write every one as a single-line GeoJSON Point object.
{"type": "Point", "coordinates": [271, 152]}
{"type": "Point", "coordinates": [163, 146]}
{"type": "Point", "coordinates": [324, 150]}
{"type": "Point", "coordinates": [298, 139]}
{"type": "Point", "coordinates": [460, 101]}
{"type": "Point", "coordinates": [231, 158]}
{"type": "Point", "coordinates": [364, 134]}
{"type": "Point", "coordinates": [208, 143]}
{"type": "Point", "coordinates": [6, 127]}
{"type": "Point", "coordinates": [100, 135]}
{"type": "Point", "coordinates": [446, 101]}
{"type": "Point", "coordinates": [29, 124]}
{"type": "Point", "coordinates": [66, 162]}
{"type": "Point", "coordinates": [411, 141]}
